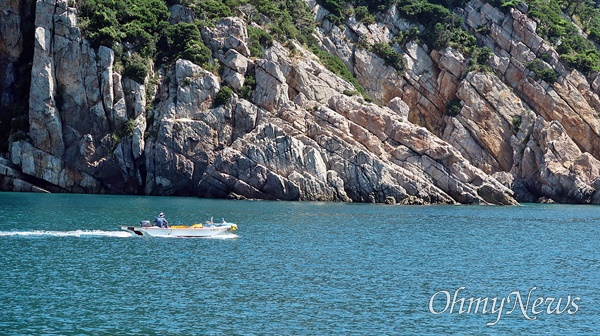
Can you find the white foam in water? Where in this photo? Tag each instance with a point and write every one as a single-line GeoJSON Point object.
{"type": "Point", "coordinates": [224, 236]}
{"type": "Point", "coordinates": [76, 233]}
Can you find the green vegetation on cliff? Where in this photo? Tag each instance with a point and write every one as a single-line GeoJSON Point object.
{"type": "Point", "coordinates": [443, 28]}
{"type": "Point", "coordinates": [542, 71]}
{"type": "Point", "coordinates": [554, 25]}
{"type": "Point", "coordinates": [183, 40]}
{"type": "Point", "coordinates": [139, 31]}
{"type": "Point", "coordinates": [440, 26]}
{"type": "Point", "coordinates": [136, 23]}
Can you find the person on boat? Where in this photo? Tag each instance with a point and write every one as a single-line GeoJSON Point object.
{"type": "Point", "coordinates": [161, 221]}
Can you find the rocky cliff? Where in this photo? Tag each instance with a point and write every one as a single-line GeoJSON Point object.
{"type": "Point", "coordinates": [302, 134]}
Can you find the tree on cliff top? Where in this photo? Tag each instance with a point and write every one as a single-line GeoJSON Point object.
{"type": "Point", "coordinates": [136, 23]}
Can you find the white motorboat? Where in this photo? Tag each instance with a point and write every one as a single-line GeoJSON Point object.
{"type": "Point", "coordinates": [209, 229]}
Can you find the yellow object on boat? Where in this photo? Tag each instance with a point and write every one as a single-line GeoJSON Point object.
{"type": "Point", "coordinates": [233, 227]}
{"type": "Point", "coordinates": [196, 226]}
{"type": "Point", "coordinates": [178, 227]}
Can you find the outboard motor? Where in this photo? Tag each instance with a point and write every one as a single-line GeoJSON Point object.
{"type": "Point", "coordinates": [145, 223]}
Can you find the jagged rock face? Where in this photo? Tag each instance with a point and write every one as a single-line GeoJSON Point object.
{"type": "Point", "coordinates": [35, 162]}
{"type": "Point", "coordinates": [348, 150]}
{"type": "Point", "coordinates": [495, 127]}
{"type": "Point", "coordinates": [189, 131]}
{"type": "Point", "coordinates": [280, 149]}
{"type": "Point", "coordinates": [299, 137]}
{"type": "Point", "coordinates": [572, 101]}
{"type": "Point", "coordinates": [11, 42]}
{"type": "Point", "coordinates": [12, 18]}
{"type": "Point", "coordinates": [553, 166]}
{"type": "Point", "coordinates": [76, 103]}
{"type": "Point", "coordinates": [484, 129]}
{"type": "Point", "coordinates": [570, 105]}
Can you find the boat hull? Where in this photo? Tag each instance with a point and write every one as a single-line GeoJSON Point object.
{"type": "Point", "coordinates": [189, 232]}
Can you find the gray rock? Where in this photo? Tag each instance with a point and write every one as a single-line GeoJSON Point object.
{"type": "Point", "coordinates": [298, 136]}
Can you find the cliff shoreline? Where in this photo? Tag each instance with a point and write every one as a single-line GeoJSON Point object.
{"type": "Point", "coordinates": [303, 133]}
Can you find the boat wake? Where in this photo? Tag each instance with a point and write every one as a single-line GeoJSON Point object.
{"type": "Point", "coordinates": [76, 233]}
{"type": "Point", "coordinates": [223, 236]}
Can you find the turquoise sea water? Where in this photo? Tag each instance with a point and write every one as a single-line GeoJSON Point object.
{"type": "Point", "coordinates": [296, 268]}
